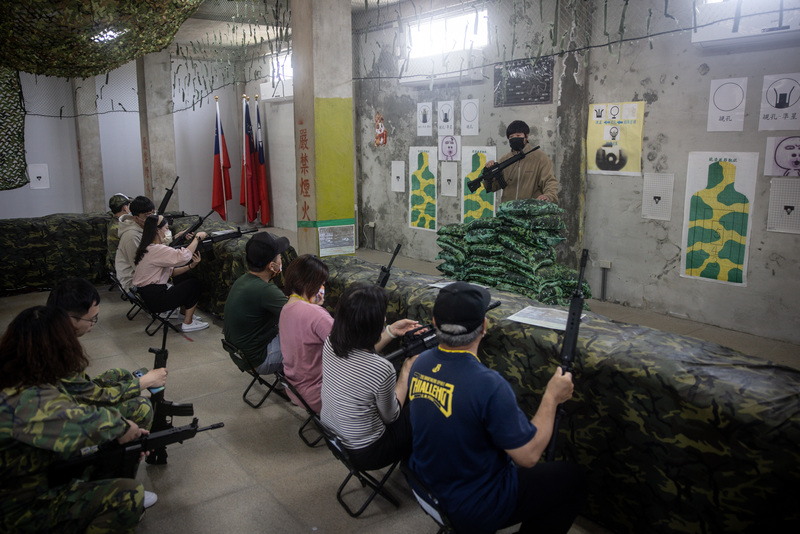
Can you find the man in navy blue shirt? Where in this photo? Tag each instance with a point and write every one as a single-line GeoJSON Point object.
{"type": "Point", "coordinates": [469, 432]}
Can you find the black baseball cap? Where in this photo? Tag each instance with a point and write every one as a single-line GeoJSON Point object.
{"type": "Point", "coordinates": [263, 247]}
{"type": "Point", "coordinates": [461, 303]}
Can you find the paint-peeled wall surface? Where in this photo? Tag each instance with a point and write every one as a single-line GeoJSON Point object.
{"type": "Point", "coordinates": [611, 52]}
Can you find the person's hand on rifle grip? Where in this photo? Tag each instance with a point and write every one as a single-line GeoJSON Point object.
{"type": "Point", "coordinates": [153, 379]}
{"type": "Point", "coordinates": [133, 432]}
{"type": "Point", "coordinates": [196, 258]}
{"type": "Point", "coordinates": [560, 386]}
{"type": "Point", "coordinates": [490, 163]}
{"type": "Point", "coordinates": [188, 236]}
{"type": "Point", "coordinates": [398, 328]}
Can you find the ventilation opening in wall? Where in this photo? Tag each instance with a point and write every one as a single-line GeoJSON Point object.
{"type": "Point", "coordinates": [735, 23]}
{"type": "Point", "coordinates": [445, 49]}
{"type": "Point", "coordinates": [280, 86]}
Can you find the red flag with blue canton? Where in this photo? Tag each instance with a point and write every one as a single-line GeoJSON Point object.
{"type": "Point", "coordinates": [250, 195]}
{"type": "Point", "coordinates": [221, 188]}
{"type": "Point", "coordinates": [263, 171]}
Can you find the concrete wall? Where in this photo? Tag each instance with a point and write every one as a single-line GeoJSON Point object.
{"type": "Point", "coordinates": [604, 213]}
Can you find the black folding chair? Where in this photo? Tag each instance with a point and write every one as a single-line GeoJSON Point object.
{"type": "Point", "coordinates": [427, 500]}
{"type": "Point", "coordinates": [340, 452]}
{"type": "Point", "coordinates": [155, 318]}
{"type": "Point", "coordinates": [126, 296]}
{"type": "Point", "coordinates": [245, 366]}
{"type": "Point", "coordinates": [311, 413]}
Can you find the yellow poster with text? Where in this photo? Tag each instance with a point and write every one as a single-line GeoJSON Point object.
{"type": "Point", "coordinates": [614, 138]}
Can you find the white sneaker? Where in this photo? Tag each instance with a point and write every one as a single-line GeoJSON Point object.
{"type": "Point", "coordinates": [171, 314]}
{"type": "Point", "coordinates": [178, 316]}
{"type": "Point", "coordinates": [150, 499]}
{"type": "Point", "coordinates": [194, 325]}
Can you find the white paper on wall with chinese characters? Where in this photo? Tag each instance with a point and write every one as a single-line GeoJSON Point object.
{"type": "Point", "coordinates": [479, 204]}
{"type": "Point", "coordinates": [614, 138]}
{"type": "Point", "coordinates": [446, 120]}
{"type": "Point", "coordinates": [782, 156]}
{"type": "Point", "coordinates": [726, 103]}
{"type": "Point", "coordinates": [720, 187]}
{"type": "Point", "coordinates": [470, 121]}
{"type": "Point", "coordinates": [424, 119]}
{"type": "Point", "coordinates": [422, 205]}
{"type": "Point", "coordinates": [780, 102]}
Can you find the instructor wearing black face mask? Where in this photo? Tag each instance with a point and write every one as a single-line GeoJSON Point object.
{"type": "Point", "coordinates": [532, 176]}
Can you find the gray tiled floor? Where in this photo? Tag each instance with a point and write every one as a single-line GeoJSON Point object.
{"type": "Point", "coordinates": [255, 474]}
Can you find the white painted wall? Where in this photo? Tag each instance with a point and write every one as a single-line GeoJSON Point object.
{"type": "Point", "coordinates": [51, 141]}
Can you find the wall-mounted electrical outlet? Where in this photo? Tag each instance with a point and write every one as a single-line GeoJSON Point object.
{"type": "Point", "coordinates": [371, 224]}
{"type": "Point", "coordinates": [603, 264]}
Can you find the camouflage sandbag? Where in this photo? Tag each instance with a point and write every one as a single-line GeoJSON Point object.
{"type": "Point", "coordinates": [486, 249]}
{"type": "Point", "coordinates": [458, 253]}
{"type": "Point", "coordinates": [481, 235]}
{"type": "Point", "coordinates": [529, 207]}
{"type": "Point", "coordinates": [675, 434]}
{"type": "Point", "coordinates": [485, 266]}
{"type": "Point", "coordinates": [544, 222]}
{"type": "Point", "coordinates": [451, 270]}
{"type": "Point", "coordinates": [518, 263]}
{"type": "Point", "coordinates": [534, 238]}
{"type": "Point", "coordinates": [532, 254]}
{"type": "Point", "coordinates": [485, 222]}
{"type": "Point", "coordinates": [456, 230]}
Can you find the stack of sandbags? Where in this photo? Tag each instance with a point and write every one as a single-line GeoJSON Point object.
{"type": "Point", "coordinates": [513, 251]}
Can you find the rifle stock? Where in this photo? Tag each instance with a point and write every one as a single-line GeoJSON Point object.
{"type": "Point", "coordinates": [208, 243]}
{"type": "Point", "coordinates": [168, 195]}
{"type": "Point", "coordinates": [112, 460]}
{"type": "Point", "coordinates": [568, 348]}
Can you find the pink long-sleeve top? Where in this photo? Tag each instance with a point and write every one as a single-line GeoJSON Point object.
{"type": "Point", "coordinates": [157, 265]}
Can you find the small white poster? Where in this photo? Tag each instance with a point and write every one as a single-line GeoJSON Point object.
{"type": "Point", "coordinates": [398, 176]}
{"type": "Point", "coordinates": [424, 119]}
{"type": "Point", "coordinates": [784, 206]}
{"type": "Point", "coordinates": [336, 240]}
{"type": "Point", "coordinates": [449, 179]}
{"type": "Point", "coordinates": [782, 157]}
{"type": "Point", "coordinates": [39, 176]}
{"type": "Point", "coordinates": [449, 147]}
{"type": "Point", "coordinates": [726, 104]}
{"type": "Point", "coordinates": [657, 196]}
{"type": "Point", "coordinates": [470, 125]}
{"type": "Point", "coordinates": [780, 102]}
{"type": "Point", "coordinates": [446, 117]}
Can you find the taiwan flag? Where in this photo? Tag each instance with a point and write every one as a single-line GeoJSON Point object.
{"type": "Point", "coordinates": [262, 171]}
{"type": "Point", "coordinates": [221, 185]}
{"type": "Point", "coordinates": [251, 195]}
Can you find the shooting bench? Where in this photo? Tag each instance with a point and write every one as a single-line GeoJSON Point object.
{"type": "Point", "coordinates": [676, 434]}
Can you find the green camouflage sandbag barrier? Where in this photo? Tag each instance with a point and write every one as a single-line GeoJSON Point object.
{"type": "Point", "coordinates": [38, 252]}
{"type": "Point", "coordinates": [543, 222]}
{"type": "Point", "coordinates": [534, 238]}
{"type": "Point", "coordinates": [457, 253]}
{"type": "Point", "coordinates": [456, 230]}
{"type": "Point", "coordinates": [527, 208]}
{"type": "Point", "coordinates": [481, 235]}
{"type": "Point", "coordinates": [675, 434]}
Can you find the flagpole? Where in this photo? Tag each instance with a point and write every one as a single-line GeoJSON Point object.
{"type": "Point", "coordinates": [221, 160]}
{"type": "Point", "coordinates": [244, 157]}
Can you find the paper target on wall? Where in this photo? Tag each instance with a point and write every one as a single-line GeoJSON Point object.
{"type": "Point", "coordinates": [424, 119]}
{"type": "Point", "coordinates": [780, 102]}
{"type": "Point", "coordinates": [726, 105]}
{"type": "Point", "coordinates": [784, 205]}
{"type": "Point", "coordinates": [470, 125]}
{"type": "Point", "coordinates": [446, 116]}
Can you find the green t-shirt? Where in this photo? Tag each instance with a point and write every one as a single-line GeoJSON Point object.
{"type": "Point", "coordinates": [251, 316]}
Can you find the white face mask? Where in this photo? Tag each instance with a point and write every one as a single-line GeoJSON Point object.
{"type": "Point", "coordinates": [280, 268]}
{"type": "Point", "coordinates": [168, 235]}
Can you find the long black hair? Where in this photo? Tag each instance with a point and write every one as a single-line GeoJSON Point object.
{"type": "Point", "coordinates": [359, 318]}
{"type": "Point", "coordinates": [151, 226]}
{"type": "Point", "coordinates": [40, 347]}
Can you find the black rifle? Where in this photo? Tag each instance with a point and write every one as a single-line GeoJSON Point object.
{"type": "Point", "coordinates": [168, 195]}
{"type": "Point", "coordinates": [383, 277]}
{"type": "Point", "coordinates": [421, 339]}
{"type": "Point", "coordinates": [495, 172]}
{"type": "Point", "coordinates": [208, 243]}
{"type": "Point", "coordinates": [568, 349]}
{"type": "Point", "coordinates": [112, 460]}
{"type": "Point", "coordinates": [164, 410]}
{"type": "Point", "coordinates": [181, 241]}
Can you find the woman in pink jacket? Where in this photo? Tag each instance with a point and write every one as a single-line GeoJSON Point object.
{"type": "Point", "coordinates": [156, 263]}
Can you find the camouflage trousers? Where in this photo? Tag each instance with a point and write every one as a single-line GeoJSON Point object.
{"type": "Point", "coordinates": [100, 507]}
{"type": "Point", "coordinates": [138, 409]}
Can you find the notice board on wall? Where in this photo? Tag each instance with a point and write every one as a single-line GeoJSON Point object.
{"type": "Point", "coordinates": [523, 81]}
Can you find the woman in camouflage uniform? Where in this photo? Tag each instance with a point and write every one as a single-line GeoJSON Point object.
{"type": "Point", "coordinates": [40, 423]}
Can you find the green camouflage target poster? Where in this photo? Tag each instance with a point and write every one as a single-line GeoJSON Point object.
{"type": "Point", "coordinates": [479, 204]}
{"type": "Point", "coordinates": [422, 187]}
{"type": "Point", "coordinates": [720, 187]}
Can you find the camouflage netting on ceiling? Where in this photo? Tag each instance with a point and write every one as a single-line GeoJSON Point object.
{"type": "Point", "coordinates": [513, 252]}
{"type": "Point", "coordinates": [12, 132]}
{"type": "Point", "coordinates": [82, 39]}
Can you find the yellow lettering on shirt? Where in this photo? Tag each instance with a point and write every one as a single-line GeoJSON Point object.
{"type": "Point", "coordinates": [438, 366]}
{"type": "Point", "coordinates": [438, 392]}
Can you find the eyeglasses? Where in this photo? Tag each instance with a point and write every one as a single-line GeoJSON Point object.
{"type": "Point", "coordinates": [93, 320]}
